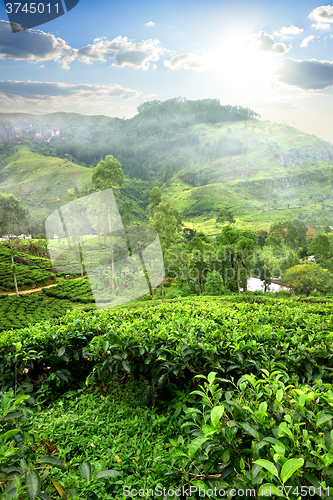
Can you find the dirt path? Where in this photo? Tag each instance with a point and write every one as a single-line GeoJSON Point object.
{"type": "Point", "coordinates": [33, 290]}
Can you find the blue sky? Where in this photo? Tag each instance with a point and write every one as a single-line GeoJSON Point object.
{"type": "Point", "coordinates": [107, 57]}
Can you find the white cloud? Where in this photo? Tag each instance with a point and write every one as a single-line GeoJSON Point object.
{"type": "Point", "coordinates": [305, 41]}
{"type": "Point", "coordinates": [123, 52]}
{"type": "Point", "coordinates": [151, 23]}
{"type": "Point", "coordinates": [185, 61]}
{"type": "Point", "coordinates": [38, 92]}
{"type": "Point", "coordinates": [322, 14]}
{"type": "Point", "coordinates": [306, 74]}
{"type": "Point", "coordinates": [321, 26]}
{"type": "Point", "coordinates": [37, 46]}
{"type": "Point", "coordinates": [266, 42]}
{"type": "Point", "coordinates": [34, 46]}
{"type": "Point", "coordinates": [290, 30]}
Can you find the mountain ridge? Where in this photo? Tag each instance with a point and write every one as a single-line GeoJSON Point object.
{"type": "Point", "coordinates": [264, 171]}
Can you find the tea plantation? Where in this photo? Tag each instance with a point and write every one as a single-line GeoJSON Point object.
{"type": "Point", "coordinates": [25, 310]}
{"type": "Point", "coordinates": [219, 394]}
{"type": "Point", "coordinates": [30, 270]}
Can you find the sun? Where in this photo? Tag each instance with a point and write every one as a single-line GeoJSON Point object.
{"type": "Point", "coordinates": [241, 63]}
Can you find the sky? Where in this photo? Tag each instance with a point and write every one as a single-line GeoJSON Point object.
{"type": "Point", "coordinates": [107, 57]}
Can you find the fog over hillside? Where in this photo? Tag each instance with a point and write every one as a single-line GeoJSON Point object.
{"type": "Point", "coordinates": [203, 154]}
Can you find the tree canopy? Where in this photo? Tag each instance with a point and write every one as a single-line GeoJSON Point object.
{"type": "Point", "coordinates": [225, 215]}
{"type": "Point", "coordinates": [292, 233]}
{"type": "Point", "coordinates": [107, 174]}
{"type": "Point", "coordinates": [308, 277]}
{"type": "Point", "coordinates": [320, 247]}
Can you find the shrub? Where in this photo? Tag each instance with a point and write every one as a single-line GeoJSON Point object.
{"type": "Point", "coordinates": [214, 284]}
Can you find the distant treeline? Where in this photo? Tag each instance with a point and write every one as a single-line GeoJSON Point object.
{"type": "Point", "coordinates": [202, 111]}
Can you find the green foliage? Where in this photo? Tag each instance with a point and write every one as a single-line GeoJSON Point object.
{"type": "Point", "coordinates": [271, 434]}
{"type": "Point", "coordinates": [320, 247]}
{"type": "Point", "coordinates": [30, 271]}
{"type": "Point", "coordinates": [26, 310]}
{"type": "Point", "coordinates": [306, 278]}
{"type": "Point", "coordinates": [107, 174]}
{"type": "Point", "coordinates": [166, 222]}
{"type": "Point", "coordinates": [214, 284]}
{"type": "Point", "coordinates": [19, 462]}
{"type": "Point", "coordinates": [11, 213]}
{"type": "Point", "coordinates": [293, 234]}
{"type": "Point", "coordinates": [225, 215]}
{"type": "Point", "coordinates": [155, 198]}
{"type": "Point", "coordinates": [165, 343]}
{"type": "Point", "coordinates": [73, 290]}
{"type": "Point", "coordinates": [257, 415]}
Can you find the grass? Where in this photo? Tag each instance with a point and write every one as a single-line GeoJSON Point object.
{"type": "Point", "coordinates": [112, 431]}
{"type": "Point", "coordinates": [41, 183]}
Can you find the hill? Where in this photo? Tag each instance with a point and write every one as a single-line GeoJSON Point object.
{"type": "Point", "coordinates": [200, 153]}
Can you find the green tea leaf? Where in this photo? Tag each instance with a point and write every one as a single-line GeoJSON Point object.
{"type": "Point", "coordinates": [249, 429]}
{"type": "Point", "coordinates": [34, 483]}
{"type": "Point", "coordinates": [195, 445]}
{"type": "Point", "coordinates": [86, 471]}
{"type": "Point", "coordinates": [284, 429]}
{"type": "Point", "coordinates": [216, 414]}
{"type": "Point", "coordinates": [91, 495]}
{"type": "Point", "coordinates": [323, 419]}
{"type": "Point", "coordinates": [268, 466]}
{"type": "Point", "coordinates": [107, 473]}
{"type": "Point", "coordinates": [290, 467]}
{"type": "Point", "coordinates": [54, 462]}
{"type": "Point", "coordinates": [280, 449]}
{"type": "Point", "coordinates": [61, 351]}
{"type": "Point", "coordinates": [126, 366]}
{"type": "Point", "coordinates": [279, 395]}
{"type": "Point", "coordinates": [9, 434]}
{"type": "Point", "coordinates": [211, 377]}
{"type": "Point", "coordinates": [226, 456]}
{"type": "Point", "coordinates": [5, 404]}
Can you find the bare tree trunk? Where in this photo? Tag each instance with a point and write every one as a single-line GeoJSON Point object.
{"type": "Point", "coordinates": [162, 284]}
{"type": "Point", "coordinates": [111, 247]}
{"type": "Point", "coordinates": [13, 264]}
{"type": "Point", "coordinates": [80, 257]}
{"type": "Point", "coordinates": [238, 287]}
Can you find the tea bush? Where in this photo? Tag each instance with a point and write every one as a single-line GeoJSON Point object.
{"type": "Point", "coordinates": [265, 434]}
{"type": "Point", "coordinates": [73, 290]}
{"type": "Point", "coordinates": [167, 344]}
{"type": "Point", "coordinates": [25, 310]}
{"type": "Point", "coordinates": [36, 273]}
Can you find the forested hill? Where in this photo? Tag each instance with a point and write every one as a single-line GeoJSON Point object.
{"type": "Point", "coordinates": [153, 144]}
{"type": "Point", "coordinates": [201, 153]}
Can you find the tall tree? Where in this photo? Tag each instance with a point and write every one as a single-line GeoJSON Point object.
{"type": "Point", "coordinates": [306, 278]}
{"type": "Point", "coordinates": [225, 215]}
{"type": "Point", "coordinates": [11, 215]}
{"type": "Point", "coordinates": [155, 198]}
{"type": "Point", "coordinates": [240, 245]}
{"type": "Point", "coordinates": [320, 247]}
{"type": "Point", "coordinates": [293, 234]}
{"type": "Point", "coordinates": [166, 221]}
{"type": "Point", "coordinates": [108, 174]}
